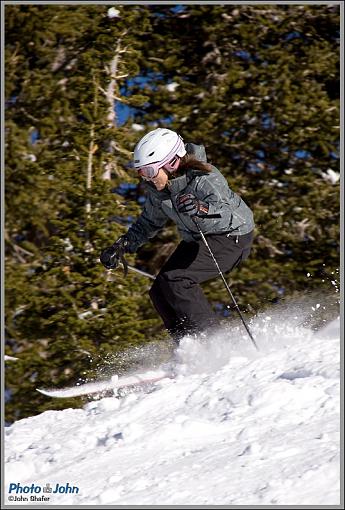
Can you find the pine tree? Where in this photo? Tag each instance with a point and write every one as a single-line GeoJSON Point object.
{"type": "Point", "coordinates": [66, 66]}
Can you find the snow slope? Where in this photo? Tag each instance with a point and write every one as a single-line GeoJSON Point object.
{"type": "Point", "coordinates": [235, 427]}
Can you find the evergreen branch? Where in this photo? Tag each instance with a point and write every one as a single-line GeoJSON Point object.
{"type": "Point", "coordinates": [18, 249]}
{"type": "Point", "coordinates": [28, 115]}
{"type": "Point", "coordinates": [120, 99]}
{"type": "Point", "coordinates": [122, 150]}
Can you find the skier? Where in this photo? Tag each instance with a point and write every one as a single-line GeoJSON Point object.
{"type": "Point", "coordinates": [182, 186]}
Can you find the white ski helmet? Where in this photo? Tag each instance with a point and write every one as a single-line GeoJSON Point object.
{"type": "Point", "coordinates": [158, 148]}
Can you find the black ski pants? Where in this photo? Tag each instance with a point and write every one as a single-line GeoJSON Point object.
{"type": "Point", "coordinates": [176, 293]}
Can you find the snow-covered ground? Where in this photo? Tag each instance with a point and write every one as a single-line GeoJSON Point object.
{"type": "Point", "coordinates": [235, 427]}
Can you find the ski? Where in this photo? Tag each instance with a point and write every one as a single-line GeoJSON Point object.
{"type": "Point", "coordinates": [113, 385]}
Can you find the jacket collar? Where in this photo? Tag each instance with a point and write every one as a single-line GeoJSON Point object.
{"type": "Point", "coordinates": [177, 184]}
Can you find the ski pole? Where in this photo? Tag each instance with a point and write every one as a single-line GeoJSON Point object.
{"type": "Point", "coordinates": [224, 280]}
{"type": "Point", "coordinates": [143, 273]}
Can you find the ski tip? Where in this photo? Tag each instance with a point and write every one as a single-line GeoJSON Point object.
{"type": "Point", "coordinates": [50, 393]}
{"type": "Point", "coordinates": [44, 392]}
{"type": "Point", "coordinates": [10, 358]}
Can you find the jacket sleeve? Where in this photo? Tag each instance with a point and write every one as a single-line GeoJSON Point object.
{"type": "Point", "coordinates": [234, 212]}
{"type": "Point", "coordinates": [214, 189]}
{"type": "Point", "coordinates": [149, 223]}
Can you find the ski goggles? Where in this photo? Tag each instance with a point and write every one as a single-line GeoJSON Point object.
{"type": "Point", "coordinates": [149, 172]}
{"type": "Point", "coordinates": [169, 163]}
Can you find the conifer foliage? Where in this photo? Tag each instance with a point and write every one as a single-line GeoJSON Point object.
{"type": "Point", "coordinates": [257, 84]}
{"type": "Point", "coordinates": [65, 67]}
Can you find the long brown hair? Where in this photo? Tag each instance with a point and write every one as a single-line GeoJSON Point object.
{"type": "Point", "coordinates": [190, 161]}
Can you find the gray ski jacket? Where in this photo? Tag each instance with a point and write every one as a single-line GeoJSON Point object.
{"type": "Point", "coordinates": [236, 218]}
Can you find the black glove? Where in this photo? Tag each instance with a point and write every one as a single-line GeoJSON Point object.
{"type": "Point", "coordinates": [189, 204]}
{"type": "Point", "coordinates": [111, 257]}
